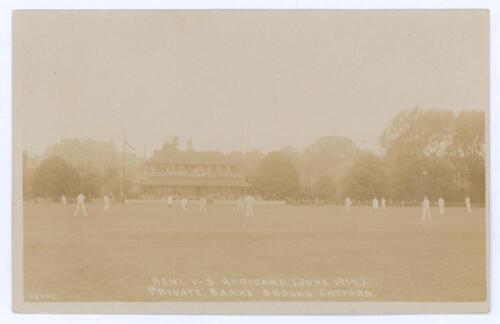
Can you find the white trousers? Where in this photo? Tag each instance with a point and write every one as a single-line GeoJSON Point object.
{"type": "Point", "coordinates": [426, 213]}
{"type": "Point", "coordinates": [82, 207]}
{"type": "Point", "coordinates": [249, 210]}
{"type": "Point", "coordinates": [203, 207]}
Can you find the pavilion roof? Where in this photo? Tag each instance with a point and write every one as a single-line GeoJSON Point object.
{"type": "Point", "coordinates": [194, 182]}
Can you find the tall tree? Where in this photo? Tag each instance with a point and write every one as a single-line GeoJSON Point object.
{"type": "Point", "coordinates": [330, 155]}
{"type": "Point", "coordinates": [366, 178]}
{"type": "Point", "coordinates": [90, 183]}
{"type": "Point", "coordinates": [54, 178]}
{"type": "Point", "coordinates": [418, 133]}
{"type": "Point", "coordinates": [416, 147]}
{"type": "Point", "coordinates": [276, 177]}
{"type": "Point", "coordinates": [467, 154]}
{"type": "Point", "coordinates": [325, 188]}
{"type": "Point", "coordinates": [298, 162]}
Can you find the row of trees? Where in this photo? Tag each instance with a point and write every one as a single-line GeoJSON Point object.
{"type": "Point", "coordinates": [54, 177]}
{"type": "Point", "coordinates": [426, 152]}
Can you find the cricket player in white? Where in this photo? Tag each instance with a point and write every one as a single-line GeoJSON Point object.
{"type": "Point", "coordinates": [184, 203]}
{"type": "Point", "coordinates": [106, 203]}
{"type": "Point", "coordinates": [80, 204]}
{"type": "Point", "coordinates": [240, 204]}
{"type": "Point", "coordinates": [441, 205]}
{"type": "Point", "coordinates": [348, 204]}
{"type": "Point", "coordinates": [382, 203]}
{"type": "Point", "coordinates": [249, 205]}
{"type": "Point", "coordinates": [375, 205]}
{"type": "Point", "coordinates": [426, 209]}
{"type": "Point", "coordinates": [169, 201]}
{"type": "Point", "coordinates": [203, 204]}
{"type": "Point", "coordinates": [467, 204]}
{"type": "Point", "coordinates": [63, 200]}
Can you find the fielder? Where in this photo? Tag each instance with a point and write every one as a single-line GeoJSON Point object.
{"type": "Point", "coordinates": [203, 204]}
{"type": "Point", "coordinates": [240, 204]}
{"type": "Point", "coordinates": [63, 200]}
{"type": "Point", "coordinates": [184, 203]}
{"type": "Point", "coordinates": [169, 201]}
{"type": "Point", "coordinates": [249, 205]}
{"type": "Point", "coordinates": [80, 204]}
{"type": "Point", "coordinates": [106, 203]}
{"type": "Point", "coordinates": [467, 204]}
{"type": "Point", "coordinates": [348, 204]}
{"type": "Point", "coordinates": [426, 209]}
{"type": "Point", "coordinates": [375, 205]}
{"type": "Point", "coordinates": [441, 205]}
{"type": "Point", "coordinates": [382, 203]}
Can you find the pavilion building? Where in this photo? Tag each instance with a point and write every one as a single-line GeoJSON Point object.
{"type": "Point", "coordinates": [190, 173]}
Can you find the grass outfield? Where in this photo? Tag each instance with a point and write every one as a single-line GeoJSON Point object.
{"type": "Point", "coordinates": [121, 255]}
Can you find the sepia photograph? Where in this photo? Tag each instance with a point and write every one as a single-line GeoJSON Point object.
{"type": "Point", "coordinates": [251, 161]}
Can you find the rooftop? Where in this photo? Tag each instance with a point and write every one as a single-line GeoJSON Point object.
{"type": "Point", "coordinates": [195, 182]}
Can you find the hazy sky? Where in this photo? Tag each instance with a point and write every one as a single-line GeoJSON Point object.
{"type": "Point", "coordinates": [234, 80]}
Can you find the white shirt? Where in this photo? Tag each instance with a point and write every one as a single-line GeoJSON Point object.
{"type": "Point", "coordinates": [375, 203]}
{"type": "Point", "coordinates": [249, 200]}
{"type": "Point", "coordinates": [426, 203]}
{"type": "Point", "coordinates": [80, 199]}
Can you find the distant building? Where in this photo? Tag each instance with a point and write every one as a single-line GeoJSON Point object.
{"type": "Point", "coordinates": [92, 154]}
{"type": "Point", "coordinates": [87, 153]}
{"type": "Point", "coordinates": [191, 173]}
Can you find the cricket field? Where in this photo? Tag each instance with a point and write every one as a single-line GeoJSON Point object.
{"type": "Point", "coordinates": [149, 252]}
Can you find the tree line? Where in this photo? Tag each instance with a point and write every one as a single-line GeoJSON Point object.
{"type": "Point", "coordinates": [54, 177]}
{"type": "Point", "coordinates": [425, 152]}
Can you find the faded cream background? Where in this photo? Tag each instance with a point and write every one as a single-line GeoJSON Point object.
{"type": "Point", "coordinates": [237, 80]}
